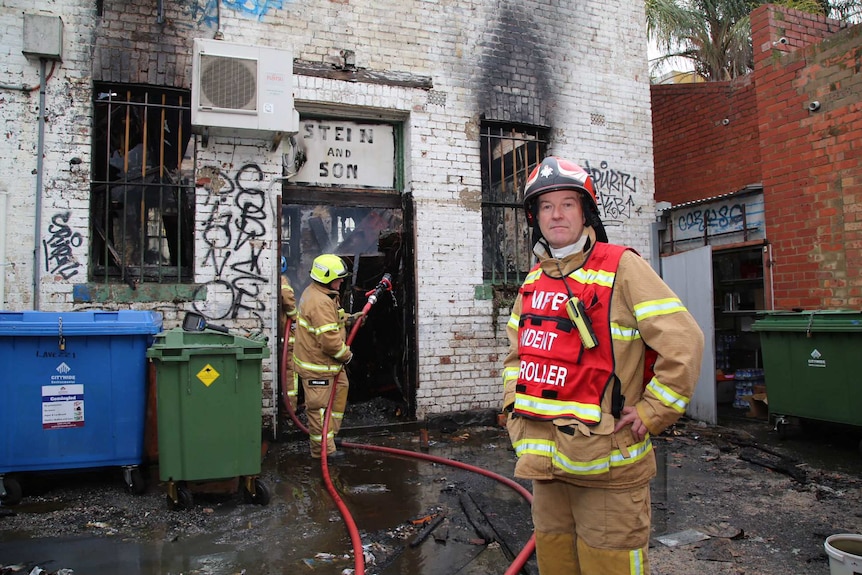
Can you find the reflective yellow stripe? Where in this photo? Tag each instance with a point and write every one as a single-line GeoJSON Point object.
{"type": "Point", "coordinates": [636, 562]}
{"type": "Point", "coordinates": [344, 349]}
{"type": "Point", "coordinates": [547, 448]}
{"type": "Point", "coordinates": [317, 330]}
{"type": "Point", "coordinates": [623, 333]}
{"type": "Point", "coordinates": [657, 307]}
{"type": "Point", "coordinates": [291, 313]}
{"type": "Point", "coordinates": [514, 321]}
{"type": "Point", "coordinates": [533, 276]}
{"type": "Point", "coordinates": [551, 408]}
{"type": "Point", "coordinates": [317, 368]}
{"type": "Point", "coordinates": [603, 278]}
{"type": "Point", "coordinates": [509, 374]}
{"type": "Point", "coordinates": [668, 396]}
{"type": "Point", "coordinates": [541, 447]}
{"type": "Point", "coordinates": [636, 452]}
{"type": "Point", "coordinates": [594, 467]}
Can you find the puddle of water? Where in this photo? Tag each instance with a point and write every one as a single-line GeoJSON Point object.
{"type": "Point", "coordinates": [383, 493]}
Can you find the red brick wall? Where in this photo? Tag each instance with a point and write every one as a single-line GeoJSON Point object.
{"type": "Point", "coordinates": [705, 139]}
{"type": "Point", "coordinates": [811, 160]}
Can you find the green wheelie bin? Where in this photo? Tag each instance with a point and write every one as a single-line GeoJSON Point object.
{"type": "Point", "coordinates": [812, 363]}
{"type": "Point", "coordinates": [209, 411]}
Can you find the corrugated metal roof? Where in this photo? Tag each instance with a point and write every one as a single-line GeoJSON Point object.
{"type": "Point", "coordinates": [749, 189]}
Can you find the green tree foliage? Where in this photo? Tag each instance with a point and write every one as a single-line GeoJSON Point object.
{"type": "Point", "coordinates": [715, 35]}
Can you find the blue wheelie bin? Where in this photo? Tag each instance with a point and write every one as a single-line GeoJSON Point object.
{"type": "Point", "coordinates": [73, 393]}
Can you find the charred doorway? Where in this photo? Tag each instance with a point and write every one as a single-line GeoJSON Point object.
{"type": "Point", "coordinates": [365, 220]}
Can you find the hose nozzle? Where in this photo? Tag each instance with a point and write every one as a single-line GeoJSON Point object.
{"type": "Point", "coordinates": [385, 284]}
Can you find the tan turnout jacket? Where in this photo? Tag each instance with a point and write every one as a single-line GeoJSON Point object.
{"type": "Point", "coordinates": [643, 309]}
{"type": "Point", "coordinates": [320, 349]}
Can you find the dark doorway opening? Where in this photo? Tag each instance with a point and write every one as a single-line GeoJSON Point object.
{"type": "Point", "coordinates": [373, 233]}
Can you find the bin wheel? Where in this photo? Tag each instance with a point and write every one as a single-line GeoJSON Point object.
{"type": "Point", "coordinates": [185, 499]}
{"type": "Point", "coordinates": [13, 491]}
{"type": "Point", "coordinates": [261, 493]}
{"type": "Point", "coordinates": [137, 483]}
{"type": "Point", "coordinates": [783, 429]}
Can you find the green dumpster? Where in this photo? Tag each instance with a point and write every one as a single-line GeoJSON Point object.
{"type": "Point", "coordinates": [812, 362]}
{"type": "Point", "coordinates": [209, 411]}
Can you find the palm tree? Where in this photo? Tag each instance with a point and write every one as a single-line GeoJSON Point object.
{"type": "Point", "coordinates": [715, 35]}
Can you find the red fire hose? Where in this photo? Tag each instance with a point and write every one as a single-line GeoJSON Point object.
{"type": "Point", "coordinates": [356, 541]}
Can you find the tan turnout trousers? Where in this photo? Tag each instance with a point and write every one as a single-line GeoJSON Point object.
{"type": "Point", "coordinates": [591, 531]}
{"type": "Point", "coordinates": [317, 392]}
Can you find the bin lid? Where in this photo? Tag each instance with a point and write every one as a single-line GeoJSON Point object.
{"type": "Point", "coordinates": [821, 321]}
{"type": "Point", "coordinates": [177, 344]}
{"type": "Point", "coordinates": [122, 322]}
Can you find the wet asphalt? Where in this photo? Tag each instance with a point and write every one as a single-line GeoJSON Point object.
{"type": "Point", "coordinates": [413, 516]}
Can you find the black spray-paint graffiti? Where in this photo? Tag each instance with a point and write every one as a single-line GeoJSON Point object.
{"type": "Point", "coordinates": [59, 258]}
{"type": "Point", "coordinates": [615, 191]}
{"type": "Point", "coordinates": [726, 218]}
{"type": "Point", "coordinates": [237, 220]}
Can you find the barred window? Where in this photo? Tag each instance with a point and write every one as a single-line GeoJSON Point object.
{"type": "Point", "coordinates": [509, 153]}
{"type": "Point", "coordinates": [142, 198]}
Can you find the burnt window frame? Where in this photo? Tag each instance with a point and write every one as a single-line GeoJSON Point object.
{"type": "Point", "coordinates": [142, 204]}
{"type": "Point", "coordinates": [506, 237]}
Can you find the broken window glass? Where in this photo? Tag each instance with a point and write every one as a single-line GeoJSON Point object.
{"type": "Point", "coordinates": [508, 153]}
{"type": "Point", "coordinates": [142, 188]}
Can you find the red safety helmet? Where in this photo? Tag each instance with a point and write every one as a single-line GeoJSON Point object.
{"type": "Point", "coordinates": [558, 174]}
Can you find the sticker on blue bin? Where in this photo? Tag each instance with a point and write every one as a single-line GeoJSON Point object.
{"type": "Point", "coordinates": [62, 406]}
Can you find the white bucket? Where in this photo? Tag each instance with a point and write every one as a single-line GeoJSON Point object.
{"type": "Point", "coordinates": [845, 553]}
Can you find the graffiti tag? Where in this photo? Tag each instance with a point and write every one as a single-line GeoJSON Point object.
{"type": "Point", "coordinates": [59, 258]}
{"type": "Point", "coordinates": [615, 190]}
{"type": "Point", "coordinates": [237, 220]}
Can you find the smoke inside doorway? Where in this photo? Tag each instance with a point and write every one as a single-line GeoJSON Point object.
{"type": "Point", "coordinates": [371, 241]}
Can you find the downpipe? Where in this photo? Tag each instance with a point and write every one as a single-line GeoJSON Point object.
{"type": "Point", "coordinates": [4, 196]}
{"type": "Point", "coordinates": [356, 541]}
{"type": "Point", "coordinates": [40, 168]}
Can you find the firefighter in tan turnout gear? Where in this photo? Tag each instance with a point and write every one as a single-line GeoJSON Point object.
{"type": "Point", "coordinates": [286, 333]}
{"type": "Point", "coordinates": [320, 350]}
{"type": "Point", "coordinates": [602, 355]}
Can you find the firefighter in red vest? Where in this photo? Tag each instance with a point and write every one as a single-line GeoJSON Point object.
{"type": "Point", "coordinates": [580, 417]}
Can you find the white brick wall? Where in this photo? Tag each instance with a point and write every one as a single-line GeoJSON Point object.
{"type": "Point", "coordinates": [581, 71]}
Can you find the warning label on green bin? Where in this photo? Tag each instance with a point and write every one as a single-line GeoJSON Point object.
{"type": "Point", "coordinates": [208, 375]}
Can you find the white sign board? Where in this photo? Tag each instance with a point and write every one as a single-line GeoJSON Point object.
{"type": "Point", "coordinates": [349, 154]}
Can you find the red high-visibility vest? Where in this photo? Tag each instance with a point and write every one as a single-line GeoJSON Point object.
{"type": "Point", "coordinates": [558, 378]}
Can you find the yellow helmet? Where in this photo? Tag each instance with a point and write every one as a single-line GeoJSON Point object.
{"type": "Point", "coordinates": [328, 267]}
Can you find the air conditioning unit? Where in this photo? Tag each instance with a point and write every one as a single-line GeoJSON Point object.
{"type": "Point", "coordinates": [242, 91]}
